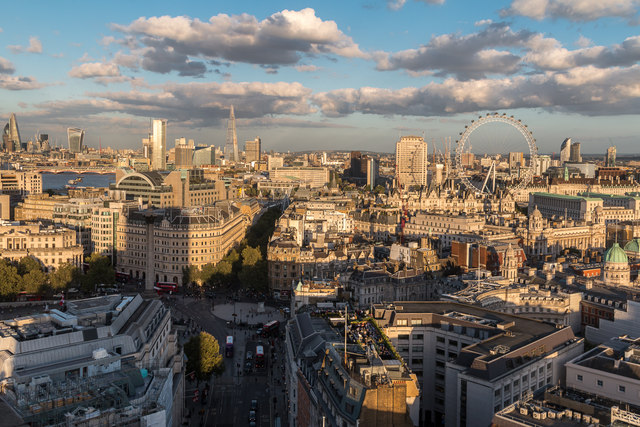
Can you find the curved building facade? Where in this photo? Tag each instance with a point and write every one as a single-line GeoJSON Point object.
{"type": "Point", "coordinates": [76, 139]}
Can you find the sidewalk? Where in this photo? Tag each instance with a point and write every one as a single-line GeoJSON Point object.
{"type": "Point", "coordinates": [246, 312]}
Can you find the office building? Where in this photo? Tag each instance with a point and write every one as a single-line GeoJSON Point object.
{"type": "Point", "coordinates": [575, 155]}
{"type": "Point", "coordinates": [411, 161]}
{"type": "Point", "coordinates": [205, 156]}
{"type": "Point", "coordinates": [183, 188]}
{"type": "Point", "coordinates": [309, 176]}
{"type": "Point", "coordinates": [372, 173]}
{"type": "Point", "coordinates": [160, 245]}
{"type": "Point", "coordinates": [159, 145]}
{"type": "Point", "coordinates": [443, 226]}
{"type": "Point", "coordinates": [565, 151]}
{"type": "Point", "coordinates": [52, 246]}
{"type": "Point", "coordinates": [274, 162]}
{"type": "Point", "coordinates": [14, 143]}
{"type": "Point", "coordinates": [147, 147]}
{"type": "Point", "coordinates": [472, 362]}
{"type": "Point", "coordinates": [516, 160]}
{"type": "Point", "coordinates": [110, 360]}
{"type": "Point", "coordinates": [611, 157]}
{"type": "Point", "coordinates": [253, 150]}
{"type": "Point", "coordinates": [231, 144]}
{"type": "Point", "coordinates": [22, 183]}
{"type": "Point", "coordinates": [358, 165]}
{"type": "Point", "coordinates": [75, 137]}
{"type": "Point", "coordinates": [543, 163]}
{"type": "Point", "coordinates": [184, 153]}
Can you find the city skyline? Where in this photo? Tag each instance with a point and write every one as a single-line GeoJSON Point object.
{"type": "Point", "coordinates": [324, 75]}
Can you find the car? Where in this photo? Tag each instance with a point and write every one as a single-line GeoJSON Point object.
{"type": "Point", "coordinates": [254, 405]}
{"type": "Point", "coordinates": [259, 332]}
{"type": "Point", "coordinates": [249, 355]}
{"type": "Point", "coordinates": [252, 416]}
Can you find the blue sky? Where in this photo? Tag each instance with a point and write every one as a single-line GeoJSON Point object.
{"type": "Point", "coordinates": [324, 75]}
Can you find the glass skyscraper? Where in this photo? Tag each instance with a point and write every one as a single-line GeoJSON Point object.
{"type": "Point", "coordinates": [159, 145]}
{"type": "Point", "coordinates": [76, 139]}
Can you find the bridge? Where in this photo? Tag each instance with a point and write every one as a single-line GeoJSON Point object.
{"type": "Point", "coordinates": [75, 170]}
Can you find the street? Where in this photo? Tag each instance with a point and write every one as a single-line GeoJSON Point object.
{"type": "Point", "coordinates": [229, 400]}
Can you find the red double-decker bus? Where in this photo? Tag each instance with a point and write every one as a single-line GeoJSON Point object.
{"type": "Point", "coordinates": [259, 356]}
{"type": "Point", "coordinates": [229, 346]}
{"type": "Point", "coordinates": [166, 288]}
{"type": "Point", "coordinates": [271, 329]}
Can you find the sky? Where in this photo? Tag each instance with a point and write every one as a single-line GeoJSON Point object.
{"type": "Point", "coordinates": [329, 75]}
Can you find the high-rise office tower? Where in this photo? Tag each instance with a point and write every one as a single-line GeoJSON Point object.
{"type": "Point", "coordinates": [147, 146]}
{"type": "Point", "coordinates": [14, 133]}
{"type": "Point", "coordinates": [411, 161]}
{"type": "Point", "coordinates": [76, 138]}
{"type": "Point", "coordinates": [358, 165]}
{"type": "Point", "coordinates": [159, 145]}
{"type": "Point", "coordinates": [565, 151]}
{"type": "Point", "coordinates": [253, 149]}
{"type": "Point", "coordinates": [611, 156]}
{"type": "Point", "coordinates": [231, 146]}
{"type": "Point", "coordinates": [372, 172]}
{"type": "Point", "coordinates": [184, 153]}
{"type": "Point", "coordinates": [6, 133]}
{"type": "Point", "coordinates": [575, 155]}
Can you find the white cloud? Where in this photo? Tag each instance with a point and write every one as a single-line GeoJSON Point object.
{"type": "Point", "coordinates": [35, 46]}
{"type": "Point", "coordinates": [307, 68]}
{"type": "Point", "coordinates": [19, 83]}
{"type": "Point", "coordinates": [483, 22]}
{"type": "Point", "coordinates": [470, 56]}
{"type": "Point", "coordinates": [585, 90]}
{"type": "Point", "coordinates": [95, 69]}
{"type": "Point", "coordinates": [191, 104]}
{"type": "Point", "coordinates": [549, 54]}
{"type": "Point", "coordinates": [583, 41]}
{"type": "Point", "coordinates": [6, 67]}
{"type": "Point", "coordinates": [573, 10]}
{"type": "Point", "coordinates": [172, 43]}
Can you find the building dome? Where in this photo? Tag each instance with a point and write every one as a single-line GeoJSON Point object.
{"type": "Point", "coordinates": [615, 255]}
{"type": "Point", "coordinates": [633, 246]}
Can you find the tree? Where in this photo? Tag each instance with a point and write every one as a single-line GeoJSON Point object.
{"type": "Point", "coordinates": [9, 279]}
{"type": "Point", "coordinates": [100, 271]}
{"type": "Point", "coordinates": [250, 256]}
{"type": "Point", "coordinates": [64, 277]}
{"type": "Point", "coordinates": [32, 278]}
{"type": "Point", "coordinates": [379, 189]}
{"type": "Point", "coordinates": [33, 282]}
{"type": "Point", "coordinates": [190, 274]}
{"type": "Point", "coordinates": [28, 264]}
{"type": "Point", "coordinates": [203, 356]}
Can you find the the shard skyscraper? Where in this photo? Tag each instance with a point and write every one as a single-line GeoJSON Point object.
{"type": "Point", "coordinates": [231, 145]}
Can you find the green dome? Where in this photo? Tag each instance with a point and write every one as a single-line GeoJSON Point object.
{"type": "Point", "coordinates": [633, 246]}
{"type": "Point", "coordinates": [615, 254]}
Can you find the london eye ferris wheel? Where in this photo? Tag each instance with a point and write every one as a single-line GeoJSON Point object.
{"type": "Point", "coordinates": [495, 153]}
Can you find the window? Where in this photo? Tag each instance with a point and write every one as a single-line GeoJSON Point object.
{"type": "Point", "coordinates": [440, 339]}
{"type": "Point", "coordinates": [418, 336]}
{"type": "Point", "coordinates": [599, 383]}
{"type": "Point", "coordinates": [496, 393]}
{"type": "Point", "coordinates": [416, 321]}
{"type": "Point", "coordinates": [515, 383]}
{"type": "Point", "coordinates": [402, 322]}
{"type": "Point", "coordinates": [579, 377]}
{"type": "Point", "coordinates": [440, 351]}
{"type": "Point", "coordinates": [453, 343]}
{"type": "Point", "coordinates": [403, 337]}
{"type": "Point", "coordinates": [622, 388]}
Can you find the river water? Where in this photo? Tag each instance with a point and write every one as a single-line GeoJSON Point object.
{"type": "Point", "coordinates": [57, 182]}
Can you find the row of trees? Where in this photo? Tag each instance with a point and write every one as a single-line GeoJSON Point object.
{"type": "Point", "coordinates": [28, 276]}
{"type": "Point", "coordinates": [245, 265]}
